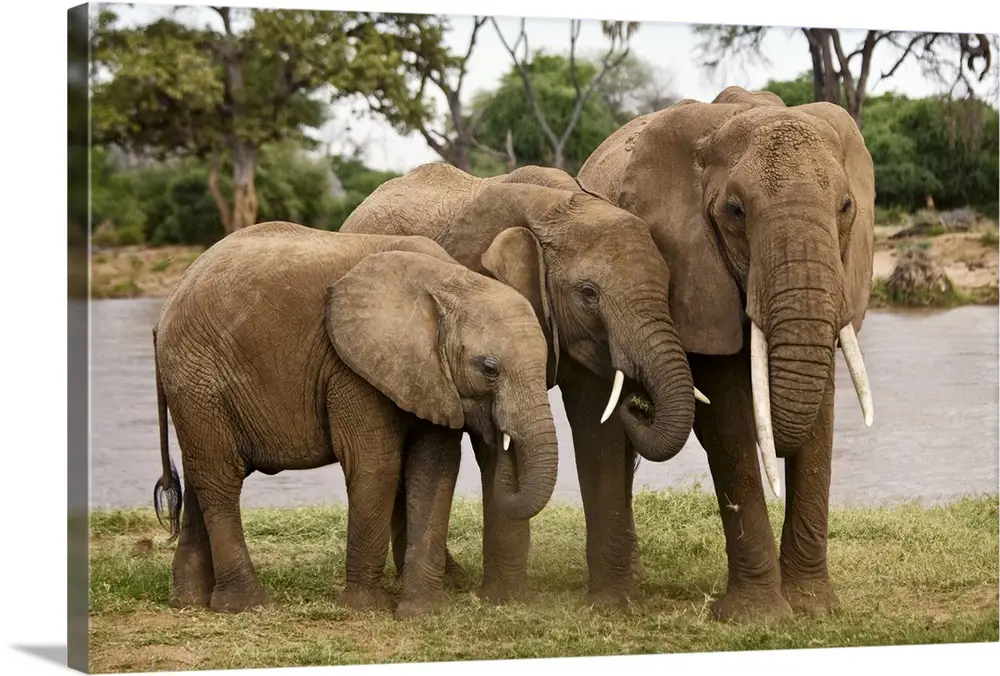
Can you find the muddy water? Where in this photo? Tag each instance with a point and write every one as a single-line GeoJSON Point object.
{"type": "Point", "coordinates": [935, 437]}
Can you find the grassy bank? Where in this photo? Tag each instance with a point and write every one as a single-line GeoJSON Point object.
{"type": "Point", "coordinates": [904, 575]}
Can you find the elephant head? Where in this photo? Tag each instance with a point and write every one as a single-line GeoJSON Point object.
{"type": "Point", "coordinates": [458, 349]}
{"type": "Point", "coordinates": [599, 289]}
{"type": "Point", "coordinates": [764, 214]}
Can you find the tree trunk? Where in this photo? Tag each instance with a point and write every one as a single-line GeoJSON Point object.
{"type": "Point", "coordinates": [244, 192]}
{"type": "Point", "coordinates": [511, 157]}
{"type": "Point", "coordinates": [225, 211]}
{"type": "Point", "coordinates": [557, 156]}
{"type": "Point", "coordinates": [460, 150]}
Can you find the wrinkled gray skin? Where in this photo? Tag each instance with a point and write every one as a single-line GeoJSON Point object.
{"type": "Point", "coordinates": [764, 214]}
{"type": "Point", "coordinates": [285, 347]}
{"type": "Point", "coordinates": [602, 301]}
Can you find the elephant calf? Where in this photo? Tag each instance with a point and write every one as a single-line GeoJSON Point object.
{"type": "Point", "coordinates": [285, 347]}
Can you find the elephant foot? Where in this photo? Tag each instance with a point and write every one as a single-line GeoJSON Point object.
{"type": "Point", "coordinates": [616, 600]}
{"type": "Point", "coordinates": [743, 604]}
{"type": "Point", "coordinates": [193, 578]}
{"type": "Point", "coordinates": [234, 600]}
{"type": "Point", "coordinates": [499, 593]}
{"type": "Point", "coordinates": [183, 596]}
{"type": "Point", "coordinates": [810, 597]}
{"type": "Point", "coordinates": [359, 598]}
{"type": "Point", "coordinates": [423, 604]}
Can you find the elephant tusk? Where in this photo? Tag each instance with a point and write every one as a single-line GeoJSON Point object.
{"type": "Point", "coordinates": [701, 397]}
{"type": "Point", "coordinates": [506, 441]}
{"type": "Point", "coordinates": [856, 366]}
{"type": "Point", "coordinates": [616, 393]}
{"type": "Point", "coordinates": [760, 385]}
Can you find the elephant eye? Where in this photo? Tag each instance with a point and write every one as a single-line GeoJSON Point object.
{"type": "Point", "coordinates": [490, 366]}
{"type": "Point", "coordinates": [846, 206]}
{"type": "Point", "coordinates": [735, 209]}
{"type": "Point", "coordinates": [589, 292]}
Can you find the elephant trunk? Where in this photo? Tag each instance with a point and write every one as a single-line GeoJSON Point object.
{"type": "Point", "coordinates": [527, 456]}
{"type": "Point", "coordinates": [654, 358]}
{"type": "Point", "coordinates": [797, 316]}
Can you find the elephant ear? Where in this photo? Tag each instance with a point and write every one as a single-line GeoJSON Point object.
{"type": "Point", "coordinates": [515, 257]}
{"type": "Point", "coordinates": [857, 161]}
{"type": "Point", "coordinates": [384, 319]}
{"type": "Point", "coordinates": [661, 182]}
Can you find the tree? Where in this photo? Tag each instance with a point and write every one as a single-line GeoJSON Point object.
{"type": "Point", "coordinates": [841, 76]}
{"type": "Point", "coordinates": [619, 33]}
{"type": "Point", "coordinates": [507, 118]}
{"type": "Point", "coordinates": [220, 95]}
{"type": "Point", "coordinates": [454, 137]}
{"type": "Point", "coordinates": [636, 87]}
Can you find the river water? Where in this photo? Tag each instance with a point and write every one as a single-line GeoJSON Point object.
{"type": "Point", "coordinates": [935, 437]}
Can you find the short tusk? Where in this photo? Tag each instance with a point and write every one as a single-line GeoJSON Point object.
{"type": "Point", "coordinates": [506, 441]}
{"type": "Point", "coordinates": [701, 397]}
{"type": "Point", "coordinates": [856, 366]}
{"type": "Point", "coordinates": [616, 393]}
{"type": "Point", "coordinates": [759, 383]}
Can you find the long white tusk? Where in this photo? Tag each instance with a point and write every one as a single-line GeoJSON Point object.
{"type": "Point", "coordinates": [759, 383]}
{"type": "Point", "coordinates": [616, 392]}
{"type": "Point", "coordinates": [856, 366]}
{"type": "Point", "coordinates": [701, 397]}
{"type": "Point", "coordinates": [506, 441]}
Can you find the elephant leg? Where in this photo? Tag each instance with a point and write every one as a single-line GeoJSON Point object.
{"type": "Point", "coordinates": [237, 586]}
{"type": "Point", "coordinates": [605, 465]}
{"type": "Point", "coordinates": [399, 528]}
{"type": "Point", "coordinates": [193, 576]}
{"type": "Point", "coordinates": [368, 434]}
{"type": "Point", "coordinates": [726, 431]}
{"type": "Point", "coordinates": [805, 580]}
{"type": "Point", "coordinates": [455, 576]}
{"type": "Point", "coordinates": [214, 473]}
{"type": "Point", "coordinates": [505, 541]}
{"type": "Point", "coordinates": [432, 462]}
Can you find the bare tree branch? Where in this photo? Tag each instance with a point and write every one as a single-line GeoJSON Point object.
{"type": "Point", "coordinates": [617, 31]}
{"type": "Point", "coordinates": [902, 58]}
{"type": "Point", "coordinates": [526, 79]}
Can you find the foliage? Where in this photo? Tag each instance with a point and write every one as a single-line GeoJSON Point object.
{"type": "Point", "coordinates": [508, 108]}
{"type": "Point", "coordinates": [169, 203]}
{"type": "Point", "coordinates": [841, 74]}
{"type": "Point", "coordinates": [618, 33]}
{"type": "Point", "coordinates": [358, 182]}
{"type": "Point", "coordinates": [636, 87]}
{"type": "Point", "coordinates": [173, 89]}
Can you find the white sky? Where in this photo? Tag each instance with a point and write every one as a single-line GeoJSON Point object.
{"type": "Point", "coordinates": [667, 45]}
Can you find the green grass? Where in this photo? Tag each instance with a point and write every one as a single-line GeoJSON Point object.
{"type": "Point", "coordinates": [161, 265]}
{"type": "Point", "coordinates": [904, 575]}
{"type": "Point", "coordinates": [989, 238]}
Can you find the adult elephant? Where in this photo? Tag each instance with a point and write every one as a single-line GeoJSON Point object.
{"type": "Point", "coordinates": [599, 289]}
{"type": "Point", "coordinates": [284, 347]}
{"type": "Point", "coordinates": [764, 216]}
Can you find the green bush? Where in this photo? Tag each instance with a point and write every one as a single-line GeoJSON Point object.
{"type": "Point", "coordinates": [170, 203]}
{"type": "Point", "coordinates": [894, 215]}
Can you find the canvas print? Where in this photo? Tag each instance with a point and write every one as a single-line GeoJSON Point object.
{"type": "Point", "coordinates": [423, 338]}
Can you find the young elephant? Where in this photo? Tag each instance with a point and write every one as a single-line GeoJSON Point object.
{"type": "Point", "coordinates": [285, 347]}
{"type": "Point", "coordinates": [600, 290]}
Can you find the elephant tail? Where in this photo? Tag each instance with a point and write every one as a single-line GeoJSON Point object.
{"type": "Point", "coordinates": [167, 492]}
